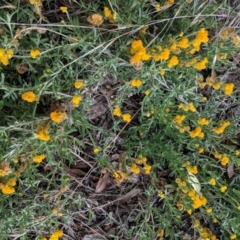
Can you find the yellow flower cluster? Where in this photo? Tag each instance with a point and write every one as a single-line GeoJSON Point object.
{"type": "Point", "coordinates": [173, 61]}
{"type": "Point", "coordinates": [203, 121]}
{"type": "Point", "coordinates": [228, 88]}
{"type": "Point", "coordinates": [201, 64]}
{"type": "Point", "coordinates": [138, 52]}
{"type": "Point", "coordinates": [29, 96]}
{"type": "Point", "coordinates": [126, 117]}
{"type": "Point", "coordinates": [192, 169]}
{"type": "Point", "coordinates": [210, 82]}
{"type": "Point", "coordinates": [179, 119]}
{"type": "Point", "coordinates": [58, 116]}
{"type": "Point", "coordinates": [5, 55]}
{"type": "Point", "coordinates": [5, 169]}
{"type": "Point", "coordinates": [230, 34]}
{"type": "Point", "coordinates": [201, 37]}
{"type": "Point", "coordinates": [162, 55]}
{"type": "Point", "coordinates": [182, 185]}
{"type": "Point", "coordinates": [42, 133]}
{"type": "Point", "coordinates": [109, 15]}
{"type": "Point", "coordinates": [95, 19]}
{"type": "Point", "coordinates": [197, 132]}
{"type": "Point", "coordinates": [206, 234]}
{"type": "Point", "coordinates": [224, 159]}
{"type": "Point", "coordinates": [221, 128]}
{"type": "Point", "coordinates": [140, 160]}
{"type": "Point", "coordinates": [55, 235]}
{"type": "Point", "coordinates": [8, 188]}
{"type": "Point", "coordinates": [39, 158]}
{"type": "Point", "coordinates": [120, 176]}
{"type": "Point", "coordinates": [197, 200]}
{"type": "Point", "coordinates": [187, 107]}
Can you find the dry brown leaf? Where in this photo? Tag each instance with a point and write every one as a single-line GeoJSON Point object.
{"type": "Point", "coordinates": [213, 74]}
{"type": "Point", "coordinates": [230, 170]}
{"type": "Point", "coordinates": [134, 192]}
{"type": "Point", "coordinates": [95, 236]}
{"type": "Point", "coordinates": [102, 183]}
{"type": "Point", "coordinates": [21, 68]}
{"type": "Point", "coordinates": [9, 6]}
{"type": "Point", "coordinates": [75, 172]}
{"type": "Point", "coordinates": [186, 237]}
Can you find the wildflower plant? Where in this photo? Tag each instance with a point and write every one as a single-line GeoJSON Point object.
{"type": "Point", "coordinates": [136, 96]}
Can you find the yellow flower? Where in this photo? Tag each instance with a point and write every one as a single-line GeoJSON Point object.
{"type": "Point", "coordinates": [63, 189]}
{"type": "Point", "coordinates": [63, 9]}
{"type": "Point", "coordinates": [96, 150]}
{"type": "Point", "coordinates": [78, 84]}
{"type": "Point", "coordinates": [135, 169]}
{"type": "Point", "coordinates": [5, 169]}
{"type": "Point", "coordinates": [95, 19]}
{"type": "Point", "coordinates": [203, 121]}
{"type": "Point", "coordinates": [223, 188]}
{"type": "Point", "coordinates": [179, 119]}
{"type": "Point", "coordinates": [201, 64]}
{"type": "Point", "coordinates": [209, 210]}
{"type": "Point", "coordinates": [42, 133]}
{"type": "Point", "coordinates": [191, 107]}
{"type": "Point", "coordinates": [147, 92]}
{"type": "Point", "coordinates": [56, 235]}
{"type": "Point", "coordinates": [237, 152]}
{"type": "Point", "coordinates": [183, 43]}
{"type": "Point", "coordinates": [160, 232]}
{"type": "Point", "coordinates": [8, 189]}
{"type": "Point", "coordinates": [224, 160]}
{"type": "Point", "coordinates": [58, 116]}
{"type": "Point", "coordinates": [217, 85]}
{"type": "Point", "coordinates": [136, 83]}
{"type": "Point", "coordinates": [233, 236]}
{"type": "Point", "coordinates": [202, 35]}
{"type": "Point", "coordinates": [212, 181]}
{"type": "Point", "coordinates": [34, 53]}
{"type": "Point", "coordinates": [107, 12]}
{"type": "Point", "coordinates": [29, 96]}
{"type": "Point", "coordinates": [162, 71]}
{"type": "Point", "coordinates": [173, 61]}
{"type": "Point", "coordinates": [76, 100]}
{"type": "Point", "coordinates": [228, 88]}
{"type": "Point", "coordinates": [158, 7]}
{"type": "Point", "coordinates": [9, 53]}
{"type": "Point", "coordinates": [140, 160]}
{"type": "Point", "coordinates": [39, 158]}
{"type": "Point", "coordinates": [36, 2]}
{"type": "Point", "coordinates": [54, 211]}
{"type": "Point", "coordinates": [192, 169]}
{"type": "Point", "coordinates": [197, 133]}
{"type": "Point", "coordinates": [147, 169]}
{"type": "Point", "coordinates": [126, 117]}
{"type": "Point", "coordinates": [117, 112]}
{"type": "Point", "coordinates": [161, 194]}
